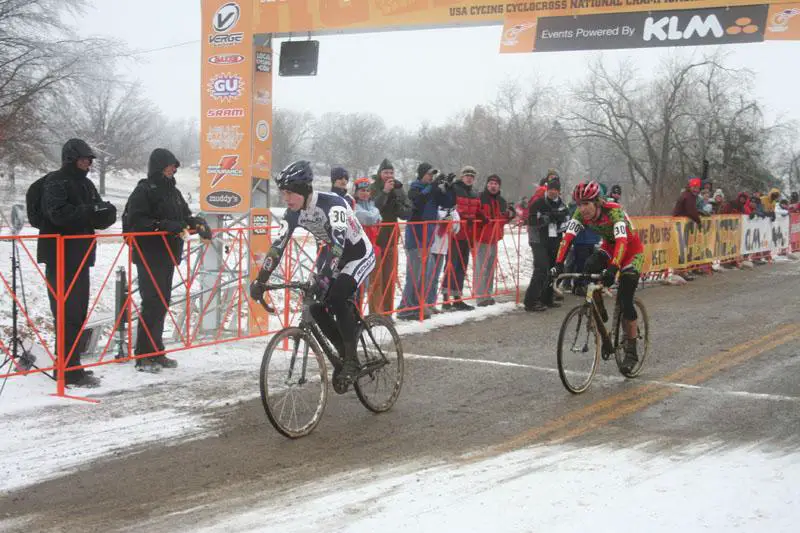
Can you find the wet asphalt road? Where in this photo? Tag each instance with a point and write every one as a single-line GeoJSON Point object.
{"type": "Point", "coordinates": [723, 367]}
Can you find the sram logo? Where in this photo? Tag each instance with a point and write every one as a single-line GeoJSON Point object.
{"type": "Point", "coordinates": [669, 28]}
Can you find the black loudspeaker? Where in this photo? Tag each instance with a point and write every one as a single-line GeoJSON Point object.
{"type": "Point", "coordinates": [299, 58]}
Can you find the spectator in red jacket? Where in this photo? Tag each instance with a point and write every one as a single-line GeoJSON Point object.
{"type": "Point", "coordinates": [739, 206]}
{"type": "Point", "coordinates": [686, 206]}
{"type": "Point", "coordinates": [468, 206]}
{"type": "Point", "coordinates": [794, 203]}
{"type": "Point", "coordinates": [498, 213]}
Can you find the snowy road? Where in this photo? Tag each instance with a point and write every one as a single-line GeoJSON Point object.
{"type": "Point", "coordinates": [484, 437]}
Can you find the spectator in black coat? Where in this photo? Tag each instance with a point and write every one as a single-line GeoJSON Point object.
{"type": "Point", "coordinates": [156, 204]}
{"type": "Point", "coordinates": [546, 221]}
{"type": "Point", "coordinates": [72, 206]}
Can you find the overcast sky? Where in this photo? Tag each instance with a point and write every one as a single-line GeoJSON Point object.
{"type": "Point", "coordinates": [406, 77]}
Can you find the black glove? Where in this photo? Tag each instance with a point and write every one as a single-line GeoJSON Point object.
{"type": "Point", "coordinates": [171, 226]}
{"type": "Point", "coordinates": [257, 290]}
{"type": "Point", "coordinates": [203, 229]}
{"type": "Point", "coordinates": [322, 284]}
{"type": "Point", "coordinates": [610, 275]}
{"type": "Point", "coordinates": [557, 270]}
{"type": "Point", "coordinates": [102, 214]}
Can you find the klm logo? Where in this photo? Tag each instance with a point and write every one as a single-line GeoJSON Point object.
{"type": "Point", "coordinates": [669, 28]}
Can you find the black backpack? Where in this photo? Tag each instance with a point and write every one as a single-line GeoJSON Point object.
{"type": "Point", "coordinates": [126, 219]}
{"type": "Point", "coordinates": [33, 203]}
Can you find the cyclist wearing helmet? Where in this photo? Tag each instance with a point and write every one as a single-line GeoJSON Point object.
{"type": "Point", "coordinates": [342, 266]}
{"type": "Point", "coordinates": [620, 251]}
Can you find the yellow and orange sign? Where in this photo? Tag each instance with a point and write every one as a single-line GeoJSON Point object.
{"type": "Point", "coordinates": [291, 16]}
{"type": "Point", "coordinates": [262, 113]}
{"type": "Point", "coordinates": [260, 219]}
{"type": "Point", "coordinates": [783, 22]}
{"type": "Point", "coordinates": [225, 157]}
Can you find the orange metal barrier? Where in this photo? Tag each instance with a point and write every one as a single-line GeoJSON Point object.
{"type": "Point", "coordinates": [211, 287]}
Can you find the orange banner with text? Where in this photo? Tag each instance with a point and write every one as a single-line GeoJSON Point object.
{"type": "Point", "coordinates": [226, 74]}
{"type": "Point", "coordinates": [259, 245]}
{"type": "Point", "coordinates": [262, 113]}
{"type": "Point", "coordinates": [783, 22]}
{"type": "Point", "coordinates": [283, 17]}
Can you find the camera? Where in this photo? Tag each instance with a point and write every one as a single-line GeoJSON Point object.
{"type": "Point", "coordinates": [447, 179]}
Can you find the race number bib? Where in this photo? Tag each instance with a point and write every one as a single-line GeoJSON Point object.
{"type": "Point", "coordinates": [620, 230]}
{"type": "Point", "coordinates": [338, 217]}
{"type": "Point", "coordinates": [552, 230]}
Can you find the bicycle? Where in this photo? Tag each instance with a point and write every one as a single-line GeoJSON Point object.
{"type": "Point", "coordinates": [591, 318]}
{"type": "Point", "coordinates": [295, 397]}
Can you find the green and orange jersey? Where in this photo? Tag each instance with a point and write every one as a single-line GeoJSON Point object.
{"type": "Point", "coordinates": [620, 241]}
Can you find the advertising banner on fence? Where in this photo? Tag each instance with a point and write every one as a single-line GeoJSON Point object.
{"type": "Point", "coordinates": [284, 17]}
{"type": "Point", "coordinates": [658, 238]}
{"type": "Point", "coordinates": [794, 230]}
{"type": "Point", "coordinates": [259, 244]}
{"type": "Point", "coordinates": [760, 235]}
{"type": "Point", "coordinates": [226, 76]}
{"type": "Point", "coordinates": [717, 238]}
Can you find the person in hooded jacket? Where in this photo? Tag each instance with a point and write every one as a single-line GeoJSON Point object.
{"type": "Point", "coordinates": [72, 206]}
{"type": "Point", "coordinates": [156, 205]}
{"type": "Point", "coordinates": [769, 201]}
{"type": "Point", "coordinates": [546, 224]}
{"type": "Point", "coordinates": [739, 206]}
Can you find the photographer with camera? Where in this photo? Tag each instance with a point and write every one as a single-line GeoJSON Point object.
{"type": "Point", "coordinates": [391, 201]}
{"type": "Point", "coordinates": [431, 191]}
{"type": "Point", "coordinates": [546, 224]}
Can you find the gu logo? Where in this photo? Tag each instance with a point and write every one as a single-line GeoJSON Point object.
{"type": "Point", "coordinates": [226, 87]}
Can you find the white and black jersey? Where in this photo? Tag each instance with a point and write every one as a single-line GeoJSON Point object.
{"type": "Point", "coordinates": [329, 218]}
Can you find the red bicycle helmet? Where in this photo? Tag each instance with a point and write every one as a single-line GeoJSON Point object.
{"type": "Point", "coordinates": [585, 192]}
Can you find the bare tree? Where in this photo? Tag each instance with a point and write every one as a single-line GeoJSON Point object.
{"type": "Point", "coordinates": [291, 130]}
{"type": "Point", "coordinates": [39, 57]}
{"type": "Point", "coordinates": [354, 140]}
{"type": "Point", "coordinates": [116, 121]}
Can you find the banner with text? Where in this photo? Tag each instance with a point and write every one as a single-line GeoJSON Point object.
{"type": "Point", "coordinates": [259, 246]}
{"type": "Point", "coordinates": [262, 113]}
{"type": "Point", "coordinates": [284, 17]}
{"type": "Point", "coordinates": [761, 235]}
{"type": "Point", "coordinates": [226, 75]}
{"type": "Point", "coordinates": [794, 231]}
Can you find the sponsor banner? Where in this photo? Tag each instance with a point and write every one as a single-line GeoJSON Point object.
{"type": "Point", "coordinates": [761, 235]}
{"type": "Point", "coordinates": [291, 16]}
{"type": "Point", "coordinates": [727, 236]}
{"type": "Point", "coordinates": [519, 35]}
{"type": "Point", "coordinates": [226, 108]}
{"type": "Point", "coordinates": [259, 245]}
{"type": "Point", "coordinates": [794, 231]}
{"type": "Point", "coordinates": [659, 240]}
{"type": "Point", "coordinates": [783, 22]}
{"type": "Point", "coordinates": [645, 30]}
{"type": "Point", "coordinates": [695, 243]}
{"type": "Point", "coordinates": [262, 113]}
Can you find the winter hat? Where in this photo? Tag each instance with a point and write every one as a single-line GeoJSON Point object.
{"type": "Point", "coordinates": [161, 158]}
{"type": "Point", "coordinates": [339, 173]}
{"type": "Point", "coordinates": [494, 177]}
{"type": "Point", "coordinates": [554, 182]}
{"type": "Point", "coordinates": [795, 198]}
{"type": "Point", "coordinates": [719, 192]}
{"type": "Point", "coordinates": [423, 169]}
{"type": "Point", "coordinates": [74, 149]}
{"type": "Point", "coordinates": [695, 182]}
{"type": "Point", "coordinates": [552, 172]}
{"type": "Point", "coordinates": [385, 165]}
{"type": "Point", "coordinates": [616, 189]}
{"type": "Point", "coordinates": [362, 183]}
{"type": "Point", "coordinates": [469, 171]}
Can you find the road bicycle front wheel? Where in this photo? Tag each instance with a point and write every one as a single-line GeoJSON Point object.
{"type": "Point", "coordinates": [380, 356]}
{"type": "Point", "coordinates": [294, 383]}
{"type": "Point", "coordinates": [579, 347]}
{"type": "Point", "coordinates": [642, 340]}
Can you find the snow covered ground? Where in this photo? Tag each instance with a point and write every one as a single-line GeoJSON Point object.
{"type": "Point", "coordinates": [550, 489]}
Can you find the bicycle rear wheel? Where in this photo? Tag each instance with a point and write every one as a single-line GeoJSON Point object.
{"type": "Point", "coordinates": [294, 383]}
{"type": "Point", "coordinates": [380, 355]}
{"type": "Point", "coordinates": [579, 347]}
{"type": "Point", "coordinates": [642, 342]}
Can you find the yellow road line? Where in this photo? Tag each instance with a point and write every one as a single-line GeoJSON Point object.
{"type": "Point", "coordinates": [630, 401]}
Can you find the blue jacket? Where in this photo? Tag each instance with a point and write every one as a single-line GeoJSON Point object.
{"type": "Point", "coordinates": [426, 199]}
{"type": "Point", "coordinates": [585, 237]}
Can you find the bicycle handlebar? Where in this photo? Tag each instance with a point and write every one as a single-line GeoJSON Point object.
{"type": "Point", "coordinates": [294, 285]}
